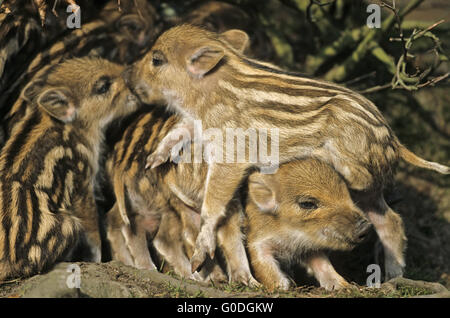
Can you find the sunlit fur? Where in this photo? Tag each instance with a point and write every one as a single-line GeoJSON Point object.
{"type": "Point", "coordinates": [164, 204]}
{"type": "Point", "coordinates": [225, 89]}
{"type": "Point", "coordinates": [48, 166]}
{"type": "Point", "coordinates": [279, 229]}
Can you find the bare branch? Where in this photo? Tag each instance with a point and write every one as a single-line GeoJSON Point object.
{"type": "Point", "coordinates": [360, 78]}
{"type": "Point", "coordinates": [376, 89]}
{"type": "Point", "coordinates": [435, 80]}
{"type": "Point", "coordinates": [398, 19]}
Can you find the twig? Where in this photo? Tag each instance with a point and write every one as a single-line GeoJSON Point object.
{"type": "Point", "coordinates": [54, 8]}
{"type": "Point", "coordinates": [339, 72]}
{"type": "Point", "coordinates": [376, 89]}
{"type": "Point", "coordinates": [435, 80]}
{"type": "Point", "coordinates": [359, 78]}
{"type": "Point", "coordinates": [431, 27]}
{"type": "Point", "coordinates": [394, 9]}
{"type": "Point", "coordinates": [9, 281]}
{"type": "Point", "coordinates": [42, 7]}
{"type": "Point", "coordinates": [412, 81]}
{"type": "Point", "coordinates": [318, 3]}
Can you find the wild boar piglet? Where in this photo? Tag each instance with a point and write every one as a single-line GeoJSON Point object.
{"type": "Point", "coordinates": [49, 164]}
{"type": "Point", "coordinates": [147, 212]}
{"type": "Point", "coordinates": [297, 214]}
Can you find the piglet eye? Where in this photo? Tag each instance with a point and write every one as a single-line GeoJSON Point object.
{"type": "Point", "coordinates": [308, 204]}
{"type": "Point", "coordinates": [158, 58]}
{"type": "Point", "coordinates": [102, 86]}
{"type": "Point", "coordinates": [157, 62]}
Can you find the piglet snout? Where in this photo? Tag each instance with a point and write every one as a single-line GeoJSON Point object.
{"type": "Point", "coordinates": [362, 229]}
{"type": "Point", "coordinates": [127, 75]}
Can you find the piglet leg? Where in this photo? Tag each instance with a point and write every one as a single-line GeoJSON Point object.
{"type": "Point", "coordinates": [324, 272]}
{"type": "Point", "coordinates": [222, 181]}
{"type": "Point", "coordinates": [266, 267]}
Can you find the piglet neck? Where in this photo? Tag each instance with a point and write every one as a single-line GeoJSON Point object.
{"type": "Point", "coordinates": [94, 136]}
{"type": "Point", "coordinates": [197, 102]}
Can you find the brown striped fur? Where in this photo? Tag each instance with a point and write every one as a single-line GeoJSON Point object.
{"type": "Point", "coordinates": [204, 76]}
{"type": "Point", "coordinates": [162, 208]}
{"type": "Point", "coordinates": [151, 210]}
{"type": "Point", "coordinates": [142, 212]}
{"type": "Point", "coordinates": [294, 215]}
{"type": "Point", "coordinates": [48, 165]}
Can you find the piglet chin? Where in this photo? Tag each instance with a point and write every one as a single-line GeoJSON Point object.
{"type": "Point", "coordinates": [132, 101]}
{"type": "Point", "coordinates": [338, 241]}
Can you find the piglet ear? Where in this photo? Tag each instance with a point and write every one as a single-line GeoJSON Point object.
{"type": "Point", "coordinates": [31, 90]}
{"type": "Point", "coordinates": [204, 59]}
{"type": "Point", "coordinates": [262, 192]}
{"type": "Point", "coordinates": [57, 102]}
{"type": "Point", "coordinates": [238, 39]}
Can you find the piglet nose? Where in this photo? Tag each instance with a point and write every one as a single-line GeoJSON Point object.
{"type": "Point", "coordinates": [127, 75]}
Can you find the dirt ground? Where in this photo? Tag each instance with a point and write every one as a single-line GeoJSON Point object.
{"type": "Point", "coordinates": [114, 280]}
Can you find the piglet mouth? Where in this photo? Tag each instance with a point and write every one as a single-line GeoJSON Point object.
{"type": "Point", "coordinates": [138, 88]}
{"type": "Point", "coordinates": [127, 76]}
{"type": "Point", "coordinates": [132, 100]}
{"type": "Point", "coordinates": [344, 241]}
{"type": "Point", "coordinates": [141, 91]}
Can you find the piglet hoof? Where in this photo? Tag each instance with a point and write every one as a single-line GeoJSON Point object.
{"type": "Point", "coordinates": [217, 277]}
{"type": "Point", "coordinates": [284, 284]}
{"type": "Point", "coordinates": [205, 244]}
{"type": "Point", "coordinates": [253, 283]}
{"type": "Point", "coordinates": [155, 160]}
{"type": "Point", "coordinates": [197, 260]}
{"type": "Point", "coordinates": [393, 271]}
{"type": "Point", "coordinates": [195, 276]}
{"type": "Point", "coordinates": [175, 153]}
{"type": "Point", "coordinates": [336, 284]}
{"type": "Point", "coordinates": [245, 278]}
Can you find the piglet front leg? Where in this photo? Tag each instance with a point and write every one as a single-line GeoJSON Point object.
{"type": "Point", "coordinates": [266, 267]}
{"type": "Point", "coordinates": [324, 272]}
{"type": "Point", "coordinates": [222, 182]}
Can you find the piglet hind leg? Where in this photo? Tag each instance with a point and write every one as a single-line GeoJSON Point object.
{"type": "Point", "coordinates": [136, 240]}
{"type": "Point", "coordinates": [221, 183]}
{"type": "Point", "coordinates": [116, 241]}
{"type": "Point", "coordinates": [169, 244]}
{"type": "Point", "coordinates": [391, 232]}
{"type": "Point", "coordinates": [128, 242]}
{"type": "Point", "coordinates": [89, 248]}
